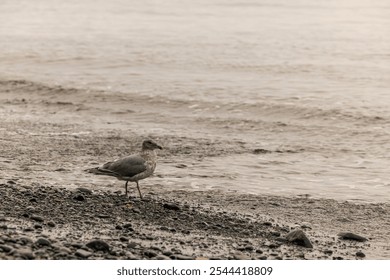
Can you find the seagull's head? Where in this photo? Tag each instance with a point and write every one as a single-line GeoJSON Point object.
{"type": "Point", "coordinates": [150, 145]}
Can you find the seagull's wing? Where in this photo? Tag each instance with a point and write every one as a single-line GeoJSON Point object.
{"type": "Point", "coordinates": [125, 167]}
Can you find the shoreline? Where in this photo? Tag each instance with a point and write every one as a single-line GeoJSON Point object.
{"type": "Point", "coordinates": [52, 210]}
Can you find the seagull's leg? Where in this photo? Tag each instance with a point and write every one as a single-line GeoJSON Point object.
{"type": "Point", "coordinates": [139, 191]}
{"type": "Point", "coordinates": [126, 188]}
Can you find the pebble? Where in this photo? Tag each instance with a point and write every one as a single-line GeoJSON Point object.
{"type": "Point", "coordinates": [37, 218]}
{"type": "Point", "coordinates": [360, 254]}
{"type": "Point", "coordinates": [299, 237]}
{"type": "Point", "coordinates": [162, 257]}
{"type": "Point", "coordinates": [351, 236]}
{"type": "Point", "coordinates": [43, 242]}
{"type": "Point", "coordinates": [51, 224]}
{"type": "Point", "coordinates": [171, 206]}
{"type": "Point", "coordinates": [123, 239]}
{"type": "Point", "coordinates": [79, 197]}
{"type": "Point", "coordinates": [98, 245]}
{"type": "Point", "coordinates": [26, 254]}
{"type": "Point", "coordinates": [240, 256]}
{"type": "Point", "coordinates": [181, 257]}
{"type": "Point", "coordinates": [150, 253]}
{"type": "Point", "coordinates": [5, 248]}
{"type": "Point", "coordinates": [83, 253]}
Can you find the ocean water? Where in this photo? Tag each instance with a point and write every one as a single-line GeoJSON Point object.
{"type": "Point", "coordinates": [321, 67]}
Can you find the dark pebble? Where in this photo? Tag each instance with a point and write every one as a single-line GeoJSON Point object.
{"type": "Point", "coordinates": [328, 252]}
{"type": "Point", "coordinates": [150, 253]}
{"type": "Point", "coordinates": [118, 227]}
{"type": "Point", "coordinates": [299, 237]}
{"type": "Point", "coordinates": [249, 248]}
{"type": "Point", "coordinates": [267, 224]}
{"type": "Point", "coordinates": [351, 236]}
{"type": "Point", "coordinates": [171, 206]}
{"type": "Point", "coordinates": [123, 239]}
{"type": "Point", "coordinates": [103, 216]}
{"type": "Point", "coordinates": [37, 218]}
{"type": "Point", "coordinates": [38, 226]}
{"type": "Point", "coordinates": [5, 248]}
{"type": "Point", "coordinates": [98, 245]}
{"type": "Point", "coordinates": [43, 242]}
{"type": "Point", "coordinates": [51, 224]}
{"type": "Point", "coordinates": [79, 197]}
{"type": "Point", "coordinates": [360, 254]}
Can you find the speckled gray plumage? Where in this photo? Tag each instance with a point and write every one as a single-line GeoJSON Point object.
{"type": "Point", "coordinates": [131, 168]}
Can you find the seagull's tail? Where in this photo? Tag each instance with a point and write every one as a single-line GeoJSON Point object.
{"type": "Point", "coordinates": [101, 171]}
{"type": "Point", "coordinates": [94, 170]}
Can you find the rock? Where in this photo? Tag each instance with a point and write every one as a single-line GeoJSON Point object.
{"type": "Point", "coordinates": [5, 248]}
{"type": "Point", "coordinates": [167, 253]}
{"type": "Point", "coordinates": [249, 248]}
{"type": "Point", "coordinates": [83, 253]}
{"type": "Point", "coordinates": [37, 218]}
{"type": "Point", "coordinates": [360, 254]}
{"type": "Point", "coordinates": [103, 216]}
{"type": "Point", "coordinates": [171, 206]}
{"type": "Point", "coordinates": [299, 237]}
{"type": "Point", "coordinates": [351, 236]}
{"type": "Point", "coordinates": [280, 239]}
{"type": "Point", "coordinates": [38, 226]}
{"type": "Point", "coordinates": [240, 256]}
{"type": "Point", "coordinates": [150, 253]}
{"type": "Point", "coordinates": [267, 224]}
{"type": "Point", "coordinates": [328, 252]}
{"type": "Point", "coordinates": [123, 239]}
{"type": "Point", "coordinates": [79, 197]}
{"type": "Point", "coordinates": [162, 257]}
{"type": "Point", "coordinates": [98, 245]}
{"type": "Point", "coordinates": [25, 254]}
{"type": "Point", "coordinates": [181, 257]}
{"type": "Point", "coordinates": [43, 242]}
{"type": "Point", "coordinates": [51, 224]}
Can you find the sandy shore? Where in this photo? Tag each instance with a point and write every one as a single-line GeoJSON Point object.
{"type": "Point", "coordinates": [52, 210]}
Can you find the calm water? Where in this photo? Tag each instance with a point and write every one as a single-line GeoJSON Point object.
{"type": "Point", "coordinates": [290, 56]}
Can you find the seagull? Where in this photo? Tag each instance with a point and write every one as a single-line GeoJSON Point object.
{"type": "Point", "coordinates": [131, 168]}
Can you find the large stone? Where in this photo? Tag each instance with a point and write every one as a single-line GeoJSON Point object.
{"type": "Point", "coordinates": [299, 237]}
{"type": "Point", "coordinates": [351, 236]}
{"type": "Point", "coordinates": [98, 245]}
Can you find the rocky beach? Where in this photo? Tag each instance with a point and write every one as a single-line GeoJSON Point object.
{"type": "Point", "coordinates": [52, 209]}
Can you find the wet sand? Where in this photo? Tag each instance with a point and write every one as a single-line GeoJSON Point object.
{"type": "Point", "coordinates": [51, 209]}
